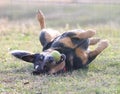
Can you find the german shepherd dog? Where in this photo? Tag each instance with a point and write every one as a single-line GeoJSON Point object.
{"type": "Point", "coordinates": [72, 46]}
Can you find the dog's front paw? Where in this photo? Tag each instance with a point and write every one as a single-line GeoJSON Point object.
{"type": "Point", "coordinates": [102, 45]}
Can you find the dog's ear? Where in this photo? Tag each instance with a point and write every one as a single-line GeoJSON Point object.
{"type": "Point", "coordinates": [23, 55]}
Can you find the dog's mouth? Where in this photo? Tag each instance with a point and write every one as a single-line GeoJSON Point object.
{"type": "Point", "coordinates": [46, 69]}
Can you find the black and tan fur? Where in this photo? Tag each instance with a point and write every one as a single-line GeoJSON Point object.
{"type": "Point", "coordinates": [74, 44]}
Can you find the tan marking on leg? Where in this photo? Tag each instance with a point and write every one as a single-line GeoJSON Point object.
{"type": "Point", "coordinates": [41, 19]}
{"type": "Point", "coordinates": [94, 41]}
{"type": "Point", "coordinates": [67, 42]}
{"type": "Point", "coordinates": [84, 34]}
{"type": "Point", "coordinates": [51, 33]}
{"type": "Point", "coordinates": [82, 55]}
{"type": "Point", "coordinates": [48, 37]}
{"type": "Point", "coordinates": [101, 46]}
{"type": "Point", "coordinates": [93, 53]}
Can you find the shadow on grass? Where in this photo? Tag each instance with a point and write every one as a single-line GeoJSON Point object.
{"type": "Point", "coordinates": [29, 69]}
{"type": "Point", "coordinates": [25, 69]}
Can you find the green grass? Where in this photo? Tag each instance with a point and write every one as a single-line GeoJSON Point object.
{"type": "Point", "coordinates": [102, 76]}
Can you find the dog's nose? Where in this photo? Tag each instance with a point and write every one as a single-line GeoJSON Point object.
{"type": "Point", "coordinates": [49, 59]}
{"type": "Point", "coordinates": [38, 69]}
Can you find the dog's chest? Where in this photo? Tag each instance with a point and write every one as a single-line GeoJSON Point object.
{"type": "Point", "coordinates": [63, 42]}
{"type": "Point", "coordinates": [73, 48]}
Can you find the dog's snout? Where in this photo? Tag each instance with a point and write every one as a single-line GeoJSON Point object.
{"type": "Point", "coordinates": [49, 59]}
{"type": "Point", "coordinates": [37, 68]}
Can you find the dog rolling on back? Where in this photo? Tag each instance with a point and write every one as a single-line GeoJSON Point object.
{"type": "Point", "coordinates": [72, 45]}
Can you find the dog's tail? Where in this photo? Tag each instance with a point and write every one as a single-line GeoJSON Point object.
{"type": "Point", "coordinates": [41, 19]}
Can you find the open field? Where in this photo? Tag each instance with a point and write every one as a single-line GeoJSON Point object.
{"type": "Point", "coordinates": [20, 30]}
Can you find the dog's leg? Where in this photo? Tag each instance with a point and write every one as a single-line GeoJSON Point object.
{"type": "Point", "coordinates": [41, 19]}
{"type": "Point", "coordinates": [83, 34]}
{"type": "Point", "coordinates": [87, 34]}
{"type": "Point", "coordinates": [46, 35]}
{"type": "Point", "coordinates": [44, 38]}
{"type": "Point", "coordinates": [93, 54]}
{"type": "Point", "coordinates": [94, 41]}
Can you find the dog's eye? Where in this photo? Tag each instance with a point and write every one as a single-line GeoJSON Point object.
{"type": "Point", "coordinates": [41, 57]}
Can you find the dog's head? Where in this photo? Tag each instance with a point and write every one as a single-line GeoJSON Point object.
{"type": "Point", "coordinates": [43, 62]}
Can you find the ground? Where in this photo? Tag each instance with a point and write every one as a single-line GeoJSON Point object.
{"type": "Point", "coordinates": [20, 31]}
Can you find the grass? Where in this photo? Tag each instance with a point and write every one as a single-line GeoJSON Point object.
{"type": "Point", "coordinates": [72, 14]}
{"type": "Point", "coordinates": [102, 76]}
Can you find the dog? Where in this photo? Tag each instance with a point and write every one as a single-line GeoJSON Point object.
{"type": "Point", "coordinates": [72, 45]}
